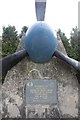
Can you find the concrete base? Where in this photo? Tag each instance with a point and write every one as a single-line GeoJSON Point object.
{"type": "Point", "coordinates": [13, 89]}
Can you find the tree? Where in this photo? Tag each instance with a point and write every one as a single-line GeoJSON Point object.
{"type": "Point", "coordinates": [65, 41]}
{"type": "Point", "coordinates": [10, 40]}
{"type": "Point", "coordinates": [75, 47]}
{"type": "Point", "coordinates": [23, 31]}
{"type": "Point", "coordinates": [78, 50]}
{"type": "Point", "coordinates": [75, 43]}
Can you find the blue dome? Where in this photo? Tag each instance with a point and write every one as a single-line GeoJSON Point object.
{"type": "Point", "coordinates": [40, 42]}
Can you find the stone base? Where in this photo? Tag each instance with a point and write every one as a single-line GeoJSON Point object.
{"type": "Point", "coordinates": [13, 89]}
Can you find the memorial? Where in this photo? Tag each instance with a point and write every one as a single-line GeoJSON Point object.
{"type": "Point", "coordinates": [13, 89]}
{"type": "Point", "coordinates": [47, 90]}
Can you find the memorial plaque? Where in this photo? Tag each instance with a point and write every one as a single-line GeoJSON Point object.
{"type": "Point", "coordinates": [41, 92]}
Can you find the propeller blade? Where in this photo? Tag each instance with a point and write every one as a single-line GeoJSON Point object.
{"type": "Point", "coordinates": [40, 6]}
{"type": "Point", "coordinates": [67, 59]}
{"type": "Point", "coordinates": [10, 61]}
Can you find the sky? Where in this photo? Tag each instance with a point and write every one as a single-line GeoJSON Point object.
{"type": "Point", "coordinates": [61, 14]}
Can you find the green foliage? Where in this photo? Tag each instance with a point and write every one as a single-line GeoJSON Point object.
{"type": "Point", "coordinates": [65, 41]}
{"type": "Point", "coordinates": [23, 31]}
{"type": "Point", "coordinates": [10, 40]}
{"type": "Point", "coordinates": [74, 43]}
{"type": "Point", "coordinates": [78, 50]}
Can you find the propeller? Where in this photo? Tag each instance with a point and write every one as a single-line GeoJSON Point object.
{"type": "Point", "coordinates": [40, 44]}
{"type": "Point", "coordinates": [10, 61]}
{"type": "Point", "coordinates": [40, 6]}
{"type": "Point", "coordinates": [67, 59]}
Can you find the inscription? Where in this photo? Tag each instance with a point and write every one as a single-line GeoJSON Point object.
{"type": "Point", "coordinates": [41, 91]}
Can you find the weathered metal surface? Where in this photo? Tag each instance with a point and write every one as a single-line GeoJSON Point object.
{"type": "Point", "coordinates": [41, 92]}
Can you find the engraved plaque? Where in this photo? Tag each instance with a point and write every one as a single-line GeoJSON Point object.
{"type": "Point", "coordinates": [41, 91]}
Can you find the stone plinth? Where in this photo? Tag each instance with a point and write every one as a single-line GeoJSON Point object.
{"type": "Point", "coordinates": [13, 89]}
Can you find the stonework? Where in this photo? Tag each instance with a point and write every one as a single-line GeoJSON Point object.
{"type": "Point", "coordinates": [13, 89]}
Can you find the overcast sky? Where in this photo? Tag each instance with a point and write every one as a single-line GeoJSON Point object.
{"type": "Point", "coordinates": [61, 14]}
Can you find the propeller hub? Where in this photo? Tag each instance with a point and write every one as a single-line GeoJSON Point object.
{"type": "Point", "coordinates": [40, 42]}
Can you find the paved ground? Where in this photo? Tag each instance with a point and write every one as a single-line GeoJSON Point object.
{"type": "Point", "coordinates": [13, 89]}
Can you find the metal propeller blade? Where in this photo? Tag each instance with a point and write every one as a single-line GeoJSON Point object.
{"type": "Point", "coordinates": [10, 61]}
{"type": "Point", "coordinates": [67, 59]}
{"type": "Point", "coordinates": [40, 6]}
